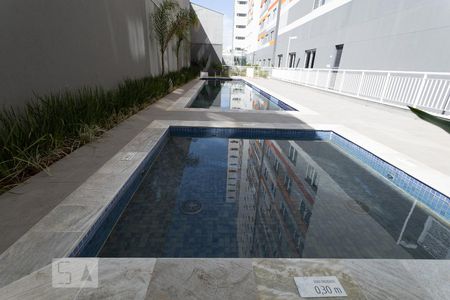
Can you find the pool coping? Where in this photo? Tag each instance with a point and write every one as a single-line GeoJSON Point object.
{"type": "Point", "coordinates": [242, 278]}
{"type": "Point", "coordinates": [67, 225]}
{"type": "Point", "coordinates": [183, 102]}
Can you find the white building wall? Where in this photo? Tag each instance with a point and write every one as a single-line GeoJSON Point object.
{"type": "Point", "coordinates": [252, 29]}
{"type": "Point", "coordinates": [407, 35]}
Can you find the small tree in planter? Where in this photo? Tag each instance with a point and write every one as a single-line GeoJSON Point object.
{"type": "Point", "coordinates": [164, 20]}
{"type": "Point", "coordinates": [184, 21]}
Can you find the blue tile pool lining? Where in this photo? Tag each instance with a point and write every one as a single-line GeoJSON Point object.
{"type": "Point", "coordinates": [271, 98]}
{"type": "Point", "coordinates": [99, 231]}
{"type": "Point", "coordinates": [92, 242]}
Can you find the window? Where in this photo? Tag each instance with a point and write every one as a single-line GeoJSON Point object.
{"type": "Point", "coordinates": [292, 56]}
{"type": "Point", "coordinates": [302, 208]}
{"type": "Point", "coordinates": [241, 26]}
{"type": "Point", "coordinates": [241, 15]}
{"type": "Point", "coordinates": [280, 58]}
{"type": "Point", "coordinates": [273, 189]}
{"type": "Point", "coordinates": [277, 165]}
{"type": "Point", "coordinates": [310, 57]}
{"type": "Point", "coordinates": [318, 3]}
{"type": "Point", "coordinates": [312, 178]}
{"type": "Point", "coordinates": [287, 183]}
{"type": "Point", "coordinates": [293, 155]}
{"type": "Point", "coordinates": [337, 58]}
{"type": "Point", "coordinates": [240, 38]}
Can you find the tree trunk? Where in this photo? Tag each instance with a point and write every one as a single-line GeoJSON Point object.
{"type": "Point", "coordinates": [178, 54]}
{"type": "Point", "coordinates": [162, 61]}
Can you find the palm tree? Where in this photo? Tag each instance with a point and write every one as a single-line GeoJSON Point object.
{"type": "Point", "coordinates": [185, 19]}
{"type": "Point", "coordinates": [164, 19]}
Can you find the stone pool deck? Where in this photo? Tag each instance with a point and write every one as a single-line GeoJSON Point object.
{"type": "Point", "coordinates": [246, 279]}
{"type": "Point", "coordinates": [418, 144]}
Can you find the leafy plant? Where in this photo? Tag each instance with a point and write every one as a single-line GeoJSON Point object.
{"type": "Point", "coordinates": [52, 126]}
{"type": "Point", "coordinates": [163, 19]}
{"type": "Point", "coordinates": [184, 21]}
{"type": "Point", "coordinates": [443, 123]}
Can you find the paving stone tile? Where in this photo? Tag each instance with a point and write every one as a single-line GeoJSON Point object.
{"type": "Point", "coordinates": [385, 279]}
{"type": "Point", "coordinates": [432, 276]}
{"type": "Point", "coordinates": [36, 286]}
{"type": "Point", "coordinates": [202, 279]}
{"type": "Point", "coordinates": [121, 278]}
{"type": "Point", "coordinates": [64, 218]}
{"type": "Point", "coordinates": [33, 251]}
{"type": "Point", "coordinates": [275, 277]}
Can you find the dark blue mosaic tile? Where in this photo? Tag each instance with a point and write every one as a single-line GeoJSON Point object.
{"type": "Point", "coordinates": [256, 133]}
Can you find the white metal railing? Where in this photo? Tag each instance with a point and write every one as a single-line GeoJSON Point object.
{"type": "Point", "coordinates": [429, 91]}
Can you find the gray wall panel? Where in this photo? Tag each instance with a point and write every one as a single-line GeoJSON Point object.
{"type": "Point", "coordinates": [48, 45]}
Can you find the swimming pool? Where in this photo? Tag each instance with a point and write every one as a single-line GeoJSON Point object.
{"type": "Point", "coordinates": [235, 95]}
{"type": "Point", "coordinates": [233, 193]}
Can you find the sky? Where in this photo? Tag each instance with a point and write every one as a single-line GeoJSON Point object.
{"type": "Point", "coordinates": [225, 7]}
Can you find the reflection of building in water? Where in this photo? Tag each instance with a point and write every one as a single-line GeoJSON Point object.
{"type": "Point", "coordinates": [233, 169]}
{"type": "Point", "coordinates": [246, 204]}
{"type": "Point", "coordinates": [243, 97]}
{"type": "Point", "coordinates": [238, 94]}
{"type": "Point", "coordinates": [276, 201]}
{"type": "Point", "coordinates": [289, 206]}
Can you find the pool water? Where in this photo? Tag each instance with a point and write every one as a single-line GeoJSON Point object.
{"type": "Point", "coordinates": [219, 197]}
{"type": "Point", "coordinates": [231, 94]}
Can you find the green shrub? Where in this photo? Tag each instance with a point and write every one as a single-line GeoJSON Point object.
{"type": "Point", "coordinates": [52, 126]}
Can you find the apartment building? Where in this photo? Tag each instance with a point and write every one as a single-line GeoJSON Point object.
{"type": "Point", "coordinates": [240, 29]}
{"type": "Point", "coordinates": [349, 34]}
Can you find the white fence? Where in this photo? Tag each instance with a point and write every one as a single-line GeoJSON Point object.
{"type": "Point", "coordinates": [428, 91]}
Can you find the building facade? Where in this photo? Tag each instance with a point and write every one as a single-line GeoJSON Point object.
{"type": "Point", "coordinates": [402, 35]}
{"type": "Point", "coordinates": [240, 29]}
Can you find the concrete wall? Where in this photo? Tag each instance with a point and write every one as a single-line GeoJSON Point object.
{"type": "Point", "coordinates": [207, 37]}
{"type": "Point", "coordinates": [408, 35]}
{"type": "Point", "coordinates": [48, 45]}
